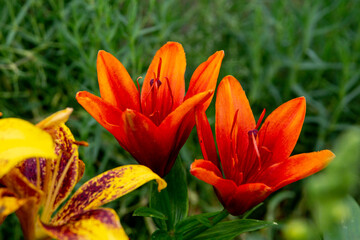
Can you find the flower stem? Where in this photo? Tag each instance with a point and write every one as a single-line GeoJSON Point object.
{"type": "Point", "coordinates": [223, 214]}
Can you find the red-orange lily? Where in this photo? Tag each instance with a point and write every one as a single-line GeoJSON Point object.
{"type": "Point", "coordinates": [152, 125]}
{"type": "Point", "coordinates": [36, 187]}
{"type": "Point", "coordinates": [255, 162]}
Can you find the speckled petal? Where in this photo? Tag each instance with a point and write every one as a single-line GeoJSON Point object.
{"type": "Point", "coordinates": [20, 140]}
{"type": "Point", "coordinates": [107, 187]}
{"type": "Point", "coordinates": [92, 224]}
{"type": "Point", "coordinates": [67, 152]}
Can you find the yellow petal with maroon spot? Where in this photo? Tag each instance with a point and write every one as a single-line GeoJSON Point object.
{"type": "Point", "coordinates": [67, 149]}
{"type": "Point", "coordinates": [106, 187]}
{"type": "Point", "coordinates": [20, 140]}
{"type": "Point", "coordinates": [92, 224]}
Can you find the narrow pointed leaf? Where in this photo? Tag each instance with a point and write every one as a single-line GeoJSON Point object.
{"type": "Point", "coordinates": [194, 222]}
{"type": "Point", "coordinates": [149, 212]}
{"type": "Point", "coordinates": [230, 229]}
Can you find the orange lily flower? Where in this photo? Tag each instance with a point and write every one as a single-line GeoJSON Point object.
{"type": "Point", "coordinates": [152, 125]}
{"type": "Point", "coordinates": [255, 162]}
{"type": "Point", "coordinates": [36, 187]}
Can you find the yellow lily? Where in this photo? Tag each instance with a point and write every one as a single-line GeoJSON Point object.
{"type": "Point", "coordinates": [44, 183]}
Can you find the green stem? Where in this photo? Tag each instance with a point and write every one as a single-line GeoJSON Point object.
{"type": "Point", "coordinates": [223, 214]}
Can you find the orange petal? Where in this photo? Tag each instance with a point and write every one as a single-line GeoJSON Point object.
{"type": "Point", "coordinates": [145, 143]}
{"type": "Point", "coordinates": [236, 199]}
{"type": "Point", "coordinates": [173, 64]}
{"type": "Point", "coordinates": [102, 111]}
{"type": "Point", "coordinates": [230, 98]}
{"type": "Point", "coordinates": [187, 107]}
{"type": "Point", "coordinates": [209, 173]}
{"type": "Point", "coordinates": [177, 126]}
{"type": "Point", "coordinates": [295, 168]}
{"type": "Point", "coordinates": [206, 138]}
{"type": "Point", "coordinates": [281, 129]}
{"type": "Point", "coordinates": [106, 187]}
{"type": "Point", "coordinates": [205, 77]}
{"type": "Point", "coordinates": [247, 196]}
{"type": "Point", "coordinates": [92, 224]}
{"type": "Point", "coordinates": [115, 83]}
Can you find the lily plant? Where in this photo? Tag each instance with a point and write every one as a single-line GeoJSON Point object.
{"type": "Point", "coordinates": [38, 180]}
{"type": "Point", "coordinates": [254, 161]}
{"type": "Point", "coordinates": [154, 123]}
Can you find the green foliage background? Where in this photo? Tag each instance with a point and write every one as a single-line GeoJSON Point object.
{"type": "Point", "coordinates": [277, 49]}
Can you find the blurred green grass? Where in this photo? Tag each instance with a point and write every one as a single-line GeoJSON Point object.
{"type": "Point", "coordinates": [277, 49]}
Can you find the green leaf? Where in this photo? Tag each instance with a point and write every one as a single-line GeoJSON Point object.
{"type": "Point", "coordinates": [231, 229]}
{"type": "Point", "coordinates": [195, 222]}
{"type": "Point", "coordinates": [149, 212]}
{"type": "Point", "coordinates": [349, 227]}
{"type": "Point", "coordinates": [173, 200]}
{"type": "Point", "coordinates": [163, 235]}
{"type": "Point", "coordinates": [160, 235]}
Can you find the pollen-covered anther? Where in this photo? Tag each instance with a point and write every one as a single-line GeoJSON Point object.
{"type": "Point", "coordinates": [81, 143]}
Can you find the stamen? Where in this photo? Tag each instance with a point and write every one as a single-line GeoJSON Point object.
{"type": "Point", "coordinates": [38, 173]}
{"type": "Point", "coordinates": [46, 214]}
{"type": "Point", "coordinates": [256, 149]}
{"type": "Point", "coordinates": [260, 119]}
{"type": "Point", "coordinates": [159, 68]}
{"type": "Point", "coordinates": [138, 86]}
{"type": "Point", "coordinates": [81, 143]}
{"type": "Point", "coordinates": [171, 95]}
{"type": "Point", "coordinates": [59, 185]}
{"type": "Point", "coordinates": [233, 123]}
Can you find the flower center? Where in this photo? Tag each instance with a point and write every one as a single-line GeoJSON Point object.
{"type": "Point", "coordinates": [159, 101]}
{"type": "Point", "coordinates": [246, 164]}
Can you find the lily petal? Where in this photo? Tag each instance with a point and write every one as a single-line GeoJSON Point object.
{"type": "Point", "coordinates": [206, 138]}
{"type": "Point", "coordinates": [92, 224]}
{"type": "Point", "coordinates": [209, 173]}
{"type": "Point", "coordinates": [20, 140]}
{"type": "Point", "coordinates": [67, 152]}
{"type": "Point", "coordinates": [177, 126]}
{"type": "Point", "coordinates": [281, 129]}
{"type": "Point", "coordinates": [141, 140]}
{"type": "Point", "coordinates": [247, 196]}
{"type": "Point", "coordinates": [230, 99]}
{"type": "Point", "coordinates": [188, 106]}
{"type": "Point", "coordinates": [103, 112]}
{"type": "Point", "coordinates": [295, 168]}
{"type": "Point", "coordinates": [55, 119]}
{"type": "Point", "coordinates": [115, 83]}
{"type": "Point", "coordinates": [9, 203]}
{"type": "Point", "coordinates": [173, 65]}
{"type": "Point", "coordinates": [205, 77]}
{"type": "Point", "coordinates": [105, 188]}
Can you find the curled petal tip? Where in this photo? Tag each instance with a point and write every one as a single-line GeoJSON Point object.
{"type": "Point", "coordinates": [161, 184]}
{"type": "Point", "coordinates": [56, 118]}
